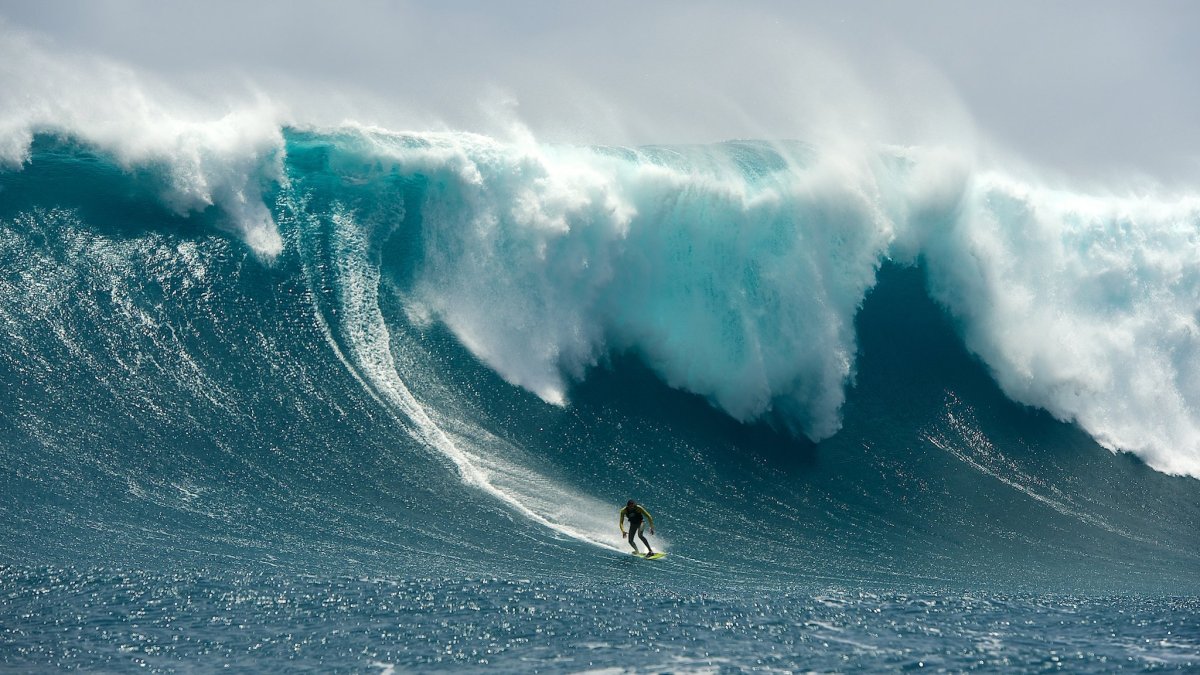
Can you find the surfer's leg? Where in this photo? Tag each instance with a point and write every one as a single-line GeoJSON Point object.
{"type": "Point", "coordinates": [643, 538]}
{"type": "Point", "coordinates": [632, 530]}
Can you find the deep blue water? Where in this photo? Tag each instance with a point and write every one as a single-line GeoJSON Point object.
{"type": "Point", "coordinates": [399, 438]}
{"type": "Point", "coordinates": [210, 620]}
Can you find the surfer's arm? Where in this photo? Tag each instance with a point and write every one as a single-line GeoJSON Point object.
{"type": "Point", "coordinates": [621, 520]}
{"type": "Point", "coordinates": [649, 518]}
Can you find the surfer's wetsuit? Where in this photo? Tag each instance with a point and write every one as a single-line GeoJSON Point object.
{"type": "Point", "coordinates": [635, 514]}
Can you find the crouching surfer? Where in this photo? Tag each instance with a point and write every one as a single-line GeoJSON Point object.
{"type": "Point", "coordinates": [637, 517]}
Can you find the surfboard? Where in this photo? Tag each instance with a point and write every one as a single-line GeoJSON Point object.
{"type": "Point", "coordinates": [656, 556]}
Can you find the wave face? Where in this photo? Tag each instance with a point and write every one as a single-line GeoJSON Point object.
{"type": "Point", "coordinates": [735, 272]}
{"type": "Point", "coordinates": [814, 363]}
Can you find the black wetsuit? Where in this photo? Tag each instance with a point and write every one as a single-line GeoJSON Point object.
{"type": "Point", "coordinates": [636, 515]}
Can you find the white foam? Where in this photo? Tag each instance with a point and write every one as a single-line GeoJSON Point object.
{"type": "Point", "coordinates": [210, 152]}
{"type": "Point", "coordinates": [544, 259]}
{"type": "Point", "coordinates": [1086, 305]}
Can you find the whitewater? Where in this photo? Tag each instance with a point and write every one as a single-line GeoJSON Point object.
{"type": "Point", "coordinates": [288, 394]}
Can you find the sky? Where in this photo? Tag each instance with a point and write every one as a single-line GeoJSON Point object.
{"type": "Point", "coordinates": [1097, 89]}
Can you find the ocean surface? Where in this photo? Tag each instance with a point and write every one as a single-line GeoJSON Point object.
{"type": "Point", "coordinates": [355, 400]}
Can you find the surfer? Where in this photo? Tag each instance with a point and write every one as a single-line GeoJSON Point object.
{"type": "Point", "coordinates": [635, 513]}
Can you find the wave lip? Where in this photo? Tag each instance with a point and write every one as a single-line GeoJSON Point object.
{"type": "Point", "coordinates": [1085, 306]}
{"type": "Point", "coordinates": [207, 153]}
{"type": "Point", "coordinates": [732, 279]}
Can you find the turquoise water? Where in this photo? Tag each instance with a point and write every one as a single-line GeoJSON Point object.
{"type": "Point", "coordinates": [388, 425]}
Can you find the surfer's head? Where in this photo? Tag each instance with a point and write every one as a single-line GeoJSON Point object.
{"type": "Point", "coordinates": [630, 504]}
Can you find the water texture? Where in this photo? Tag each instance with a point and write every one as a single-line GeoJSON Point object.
{"type": "Point", "coordinates": [348, 399]}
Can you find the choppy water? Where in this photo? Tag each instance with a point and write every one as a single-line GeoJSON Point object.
{"type": "Point", "coordinates": [168, 622]}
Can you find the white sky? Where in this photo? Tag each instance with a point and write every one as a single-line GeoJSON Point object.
{"type": "Point", "coordinates": [1098, 89]}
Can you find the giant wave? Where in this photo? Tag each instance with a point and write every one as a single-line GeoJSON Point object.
{"type": "Point", "coordinates": [245, 336]}
{"type": "Point", "coordinates": [733, 270]}
{"type": "Point", "coordinates": [523, 316]}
